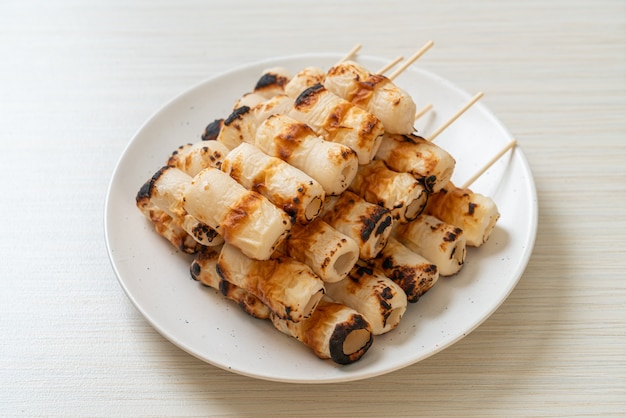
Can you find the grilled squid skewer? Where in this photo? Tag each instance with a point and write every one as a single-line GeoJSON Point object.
{"type": "Point", "coordinates": [474, 213]}
{"type": "Point", "coordinates": [381, 301]}
{"type": "Point", "coordinates": [412, 272]}
{"type": "Point", "coordinates": [204, 269]}
{"type": "Point", "coordinates": [438, 242]}
{"type": "Point", "coordinates": [290, 189]}
{"type": "Point", "coordinates": [333, 331]}
{"type": "Point", "coordinates": [401, 193]}
{"type": "Point", "coordinates": [330, 253]}
{"type": "Point", "coordinates": [289, 288]}
{"type": "Point", "coordinates": [242, 217]}
{"type": "Point", "coordinates": [332, 165]}
{"type": "Point", "coordinates": [374, 93]}
{"type": "Point", "coordinates": [427, 162]}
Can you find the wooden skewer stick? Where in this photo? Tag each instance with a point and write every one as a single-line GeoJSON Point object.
{"type": "Point", "coordinates": [411, 60]}
{"type": "Point", "coordinates": [390, 65]}
{"type": "Point", "coordinates": [350, 53]}
{"type": "Point", "coordinates": [455, 117]}
{"type": "Point", "coordinates": [424, 110]}
{"type": "Point", "coordinates": [496, 157]}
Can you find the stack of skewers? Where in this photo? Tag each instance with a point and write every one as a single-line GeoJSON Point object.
{"type": "Point", "coordinates": [316, 206]}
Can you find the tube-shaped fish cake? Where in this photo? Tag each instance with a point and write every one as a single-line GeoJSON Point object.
{"type": "Point", "coordinates": [332, 165]}
{"type": "Point", "coordinates": [192, 158]}
{"type": "Point", "coordinates": [204, 269]}
{"type": "Point", "coordinates": [375, 93]}
{"type": "Point", "coordinates": [244, 218]}
{"type": "Point", "coordinates": [366, 223]}
{"type": "Point", "coordinates": [409, 270]}
{"type": "Point", "coordinates": [304, 79]}
{"type": "Point", "coordinates": [340, 121]}
{"type": "Point", "coordinates": [165, 191]}
{"type": "Point", "coordinates": [288, 287]}
{"type": "Point", "coordinates": [290, 189]}
{"type": "Point", "coordinates": [380, 300]}
{"type": "Point", "coordinates": [401, 193]}
{"type": "Point", "coordinates": [425, 161]}
{"type": "Point", "coordinates": [474, 213]}
{"type": "Point", "coordinates": [438, 242]}
{"type": "Point", "coordinates": [334, 331]}
{"type": "Point", "coordinates": [330, 253]}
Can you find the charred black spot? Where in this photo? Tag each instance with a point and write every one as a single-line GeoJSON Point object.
{"type": "Point", "coordinates": [450, 237]}
{"type": "Point", "coordinates": [471, 207]}
{"type": "Point", "coordinates": [383, 225]}
{"type": "Point", "coordinates": [212, 130]}
{"type": "Point", "coordinates": [307, 95]}
{"type": "Point", "coordinates": [388, 262]}
{"type": "Point", "coordinates": [431, 268]}
{"type": "Point", "coordinates": [268, 80]}
{"type": "Point", "coordinates": [428, 182]}
{"type": "Point", "coordinates": [371, 220]}
{"type": "Point", "coordinates": [387, 293]}
{"type": "Point", "coordinates": [236, 114]}
{"type": "Point", "coordinates": [195, 270]}
{"type": "Point", "coordinates": [225, 287]}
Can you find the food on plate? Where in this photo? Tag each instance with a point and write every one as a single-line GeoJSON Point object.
{"type": "Point", "coordinates": [375, 93]}
{"type": "Point", "coordinates": [204, 269]}
{"type": "Point", "coordinates": [401, 193]}
{"type": "Point", "coordinates": [314, 205]}
{"type": "Point", "coordinates": [366, 290]}
{"type": "Point", "coordinates": [244, 218]}
{"type": "Point", "coordinates": [366, 223]}
{"type": "Point", "coordinates": [427, 162]}
{"type": "Point", "coordinates": [288, 287]}
{"type": "Point", "coordinates": [412, 272]}
{"type": "Point", "coordinates": [333, 331]}
{"type": "Point", "coordinates": [440, 243]}
{"type": "Point", "coordinates": [338, 120]}
{"type": "Point", "coordinates": [474, 213]}
{"type": "Point", "coordinates": [288, 188]}
{"type": "Point", "coordinates": [332, 165]}
{"type": "Point", "coordinates": [330, 253]}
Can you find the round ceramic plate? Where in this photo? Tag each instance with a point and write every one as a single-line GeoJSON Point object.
{"type": "Point", "coordinates": [156, 278]}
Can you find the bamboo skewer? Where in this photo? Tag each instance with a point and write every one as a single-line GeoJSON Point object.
{"type": "Point", "coordinates": [411, 60]}
{"type": "Point", "coordinates": [455, 117]}
{"type": "Point", "coordinates": [495, 158]}
{"type": "Point", "coordinates": [350, 53]}
{"type": "Point", "coordinates": [423, 111]}
{"type": "Point", "coordinates": [390, 65]}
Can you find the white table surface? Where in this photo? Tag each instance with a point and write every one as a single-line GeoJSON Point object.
{"type": "Point", "coordinates": [77, 79]}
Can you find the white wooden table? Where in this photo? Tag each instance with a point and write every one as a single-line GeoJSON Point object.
{"type": "Point", "coordinates": [77, 79]}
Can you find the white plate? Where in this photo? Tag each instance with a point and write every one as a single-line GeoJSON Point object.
{"type": "Point", "coordinates": [198, 320]}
